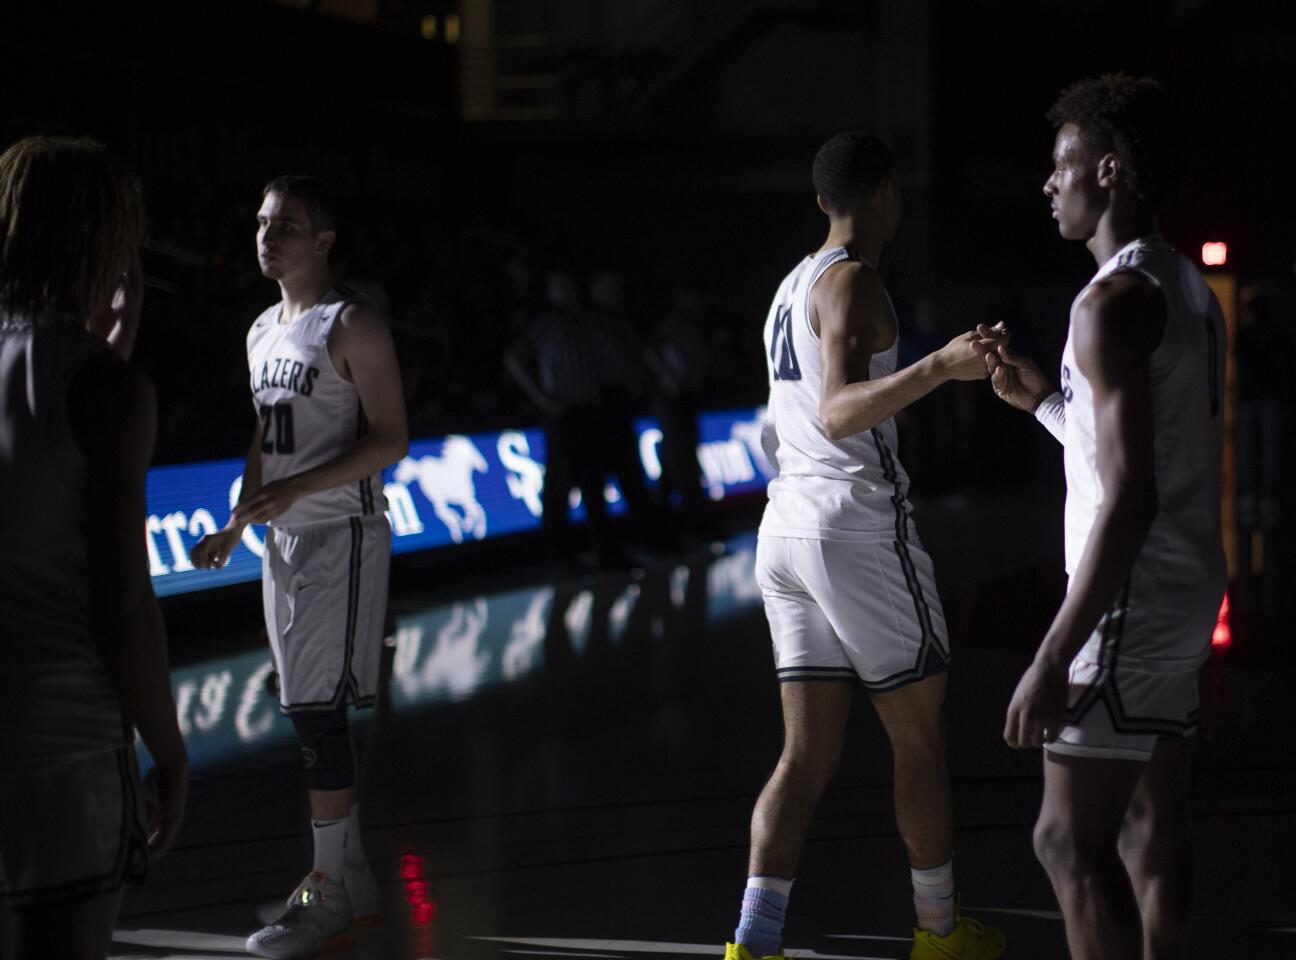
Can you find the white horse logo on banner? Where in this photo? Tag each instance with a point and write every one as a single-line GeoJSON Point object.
{"type": "Point", "coordinates": [447, 482]}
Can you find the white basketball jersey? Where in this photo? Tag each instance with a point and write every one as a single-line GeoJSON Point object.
{"type": "Point", "coordinates": [1179, 576]}
{"type": "Point", "coordinates": [309, 412]}
{"type": "Point", "coordinates": [56, 700]}
{"type": "Point", "coordinates": [850, 489]}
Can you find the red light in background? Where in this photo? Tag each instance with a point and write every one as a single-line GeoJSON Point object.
{"type": "Point", "coordinates": [423, 909]}
{"type": "Point", "coordinates": [1222, 638]}
{"type": "Point", "coordinates": [1215, 254]}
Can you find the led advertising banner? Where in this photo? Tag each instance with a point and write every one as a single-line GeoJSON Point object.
{"type": "Point", "coordinates": [448, 490]}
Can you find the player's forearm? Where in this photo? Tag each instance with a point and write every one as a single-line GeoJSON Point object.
{"type": "Point", "coordinates": [856, 407]}
{"type": "Point", "coordinates": [251, 482]}
{"type": "Point", "coordinates": [131, 642]}
{"type": "Point", "coordinates": [1118, 534]}
{"type": "Point", "coordinates": [367, 456]}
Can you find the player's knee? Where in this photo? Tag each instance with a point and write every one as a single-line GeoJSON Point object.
{"type": "Point", "coordinates": [1057, 845]}
{"type": "Point", "coordinates": [326, 749]}
{"type": "Point", "coordinates": [813, 765]}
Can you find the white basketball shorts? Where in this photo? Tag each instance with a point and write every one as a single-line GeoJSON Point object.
{"type": "Point", "coordinates": [71, 831]}
{"type": "Point", "coordinates": [324, 588]}
{"type": "Point", "coordinates": [852, 610]}
{"type": "Point", "coordinates": [1121, 703]}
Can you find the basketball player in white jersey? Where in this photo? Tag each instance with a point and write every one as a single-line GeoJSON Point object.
{"type": "Point", "coordinates": [1112, 692]}
{"type": "Point", "coordinates": [849, 591]}
{"type": "Point", "coordinates": [83, 655]}
{"type": "Point", "coordinates": [330, 416]}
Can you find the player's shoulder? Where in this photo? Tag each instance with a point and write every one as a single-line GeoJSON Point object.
{"type": "Point", "coordinates": [851, 275]}
{"type": "Point", "coordinates": [849, 292]}
{"type": "Point", "coordinates": [1117, 297]}
{"type": "Point", "coordinates": [265, 318]}
{"type": "Point", "coordinates": [357, 312]}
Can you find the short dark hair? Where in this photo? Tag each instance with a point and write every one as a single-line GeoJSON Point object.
{"type": "Point", "coordinates": [321, 203]}
{"type": "Point", "coordinates": [1132, 116]}
{"type": "Point", "coordinates": [850, 167]}
{"type": "Point", "coordinates": [71, 216]}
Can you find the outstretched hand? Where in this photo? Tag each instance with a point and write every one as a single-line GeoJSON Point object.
{"type": "Point", "coordinates": [1017, 380]}
{"type": "Point", "coordinates": [963, 357]}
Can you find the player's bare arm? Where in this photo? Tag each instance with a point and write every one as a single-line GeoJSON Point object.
{"type": "Point", "coordinates": [114, 420]}
{"type": "Point", "coordinates": [854, 319]}
{"type": "Point", "coordinates": [362, 351]}
{"type": "Point", "coordinates": [1117, 325]}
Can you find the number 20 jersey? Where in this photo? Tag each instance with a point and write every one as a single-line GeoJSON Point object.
{"type": "Point", "coordinates": [309, 413]}
{"type": "Point", "coordinates": [848, 489]}
{"type": "Point", "coordinates": [1173, 596]}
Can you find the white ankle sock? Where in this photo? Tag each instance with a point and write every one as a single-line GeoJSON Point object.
{"type": "Point", "coordinates": [355, 855]}
{"type": "Point", "coordinates": [330, 847]}
{"type": "Point", "coordinates": [933, 897]}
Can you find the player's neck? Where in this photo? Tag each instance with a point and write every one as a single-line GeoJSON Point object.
{"type": "Point", "coordinates": [299, 294]}
{"type": "Point", "coordinates": [859, 237]}
{"type": "Point", "coordinates": [1119, 226]}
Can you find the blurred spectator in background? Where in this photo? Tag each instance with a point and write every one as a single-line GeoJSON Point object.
{"type": "Point", "coordinates": [1264, 391]}
{"type": "Point", "coordinates": [553, 363]}
{"type": "Point", "coordinates": [618, 357]}
{"type": "Point", "coordinates": [679, 358]}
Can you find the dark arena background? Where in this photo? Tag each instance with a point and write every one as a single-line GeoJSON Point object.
{"type": "Point", "coordinates": [562, 759]}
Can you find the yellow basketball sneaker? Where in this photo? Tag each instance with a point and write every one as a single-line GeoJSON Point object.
{"type": "Point", "coordinates": [968, 940]}
{"type": "Point", "coordinates": [736, 951]}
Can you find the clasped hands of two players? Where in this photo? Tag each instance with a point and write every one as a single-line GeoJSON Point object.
{"type": "Point", "coordinates": [213, 551]}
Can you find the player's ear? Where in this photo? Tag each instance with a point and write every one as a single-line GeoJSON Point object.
{"type": "Point", "coordinates": [324, 241]}
{"type": "Point", "coordinates": [1109, 170]}
{"type": "Point", "coordinates": [823, 205]}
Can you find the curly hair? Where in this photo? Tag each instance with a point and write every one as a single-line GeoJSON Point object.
{"type": "Point", "coordinates": [849, 167]}
{"type": "Point", "coordinates": [71, 216]}
{"type": "Point", "coordinates": [1133, 117]}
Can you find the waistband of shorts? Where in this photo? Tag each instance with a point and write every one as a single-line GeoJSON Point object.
{"type": "Point", "coordinates": [1162, 666]}
{"type": "Point", "coordinates": [365, 518]}
{"type": "Point", "coordinates": [881, 535]}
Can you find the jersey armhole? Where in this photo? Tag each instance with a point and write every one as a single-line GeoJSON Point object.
{"type": "Point", "coordinates": [1168, 349]}
{"type": "Point", "coordinates": [819, 270]}
{"type": "Point", "coordinates": [328, 353]}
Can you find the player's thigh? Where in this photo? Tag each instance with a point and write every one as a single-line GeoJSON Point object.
{"type": "Point", "coordinates": [81, 930]}
{"type": "Point", "coordinates": [914, 716]}
{"type": "Point", "coordinates": [8, 930]}
{"type": "Point", "coordinates": [1085, 801]}
{"type": "Point", "coordinates": [1159, 808]}
{"type": "Point", "coordinates": [815, 713]}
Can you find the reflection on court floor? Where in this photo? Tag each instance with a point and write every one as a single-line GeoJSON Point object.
{"type": "Point", "coordinates": [450, 652]}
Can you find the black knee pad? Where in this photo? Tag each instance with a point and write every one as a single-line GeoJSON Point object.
{"type": "Point", "coordinates": [326, 749]}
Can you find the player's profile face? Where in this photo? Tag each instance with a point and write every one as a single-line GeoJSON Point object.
{"type": "Point", "coordinates": [1072, 187]}
{"type": "Point", "coordinates": [284, 239]}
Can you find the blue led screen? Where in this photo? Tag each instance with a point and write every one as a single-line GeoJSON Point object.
{"type": "Point", "coordinates": [448, 490]}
